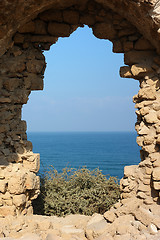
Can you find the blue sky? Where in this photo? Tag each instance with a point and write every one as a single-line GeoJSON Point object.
{"type": "Point", "coordinates": [82, 88]}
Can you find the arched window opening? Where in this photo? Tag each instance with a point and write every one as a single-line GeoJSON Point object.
{"type": "Point", "coordinates": [85, 102]}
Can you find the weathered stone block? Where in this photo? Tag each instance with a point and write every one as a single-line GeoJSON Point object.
{"type": "Point", "coordinates": [59, 29]}
{"type": "Point", "coordinates": [137, 57]}
{"type": "Point", "coordinates": [140, 71]}
{"type": "Point", "coordinates": [104, 31]}
{"type": "Point", "coordinates": [156, 106]}
{"type": "Point", "coordinates": [87, 19]}
{"type": "Point", "coordinates": [140, 140]}
{"type": "Point", "coordinates": [117, 46]}
{"type": "Point", "coordinates": [40, 27]}
{"type": "Point", "coordinates": [110, 216]}
{"type": "Point", "coordinates": [156, 185]}
{"type": "Point", "coordinates": [152, 229]}
{"type": "Point", "coordinates": [154, 156]}
{"type": "Point", "coordinates": [35, 66]}
{"type": "Point", "coordinates": [36, 83]}
{"type": "Point", "coordinates": [71, 17]}
{"type": "Point", "coordinates": [19, 200]}
{"type": "Point", "coordinates": [16, 184]}
{"type": "Point", "coordinates": [126, 32]}
{"type": "Point", "coordinates": [156, 174]}
{"type": "Point", "coordinates": [7, 210]}
{"type": "Point", "coordinates": [158, 140]}
{"type": "Point", "coordinates": [30, 181]}
{"type": "Point", "coordinates": [144, 111]}
{"type": "Point", "coordinates": [12, 65]}
{"type": "Point", "coordinates": [148, 170]}
{"type": "Point", "coordinates": [147, 93]}
{"type": "Point", "coordinates": [141, 195]}
{"type": "Point", "coordinates": [130, 171]}
{"type": "Point", "coordinates": [151, 117]}
{"type": "Point", "coordinates": [4, 127]}
{"type": "Point", "coordinates": [143, 44]}
{"type": "Point", "coordinates": [125, 72]}
{"type": "Point", "coordinates": [44, 39]}
{"type": "Point", "coordinates": [32, 163]}
{"type": "Point", "coordinates": [127, 46]}
{"type": "Point", "coordinates": [51, 15]}
{"type": "Point", "coordinates": [143, 215]}
{"type": "Point", "coordinates": [149, 148]}
{"type": "Point", "coordinates": [27, 28]}
{"type": "Point", "coordinates": [11, 83]}
{"type": "Point", "coordinates": [18, 38]}
{"type": "Point", "coordinates": [3, 185]}
{"type": "Point", "coordinates": [143, 129]}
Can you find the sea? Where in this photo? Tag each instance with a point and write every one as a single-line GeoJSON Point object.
{"type": "Point", "coordinates": [108, 151]}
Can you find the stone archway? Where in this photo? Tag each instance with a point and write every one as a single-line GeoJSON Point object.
{"type": "Point", "coordinates": [22, 66]}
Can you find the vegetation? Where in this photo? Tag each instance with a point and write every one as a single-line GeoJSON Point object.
{"type": "Point", "coordinates": [76, 192]}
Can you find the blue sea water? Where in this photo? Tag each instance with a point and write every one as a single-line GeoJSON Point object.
{"type": "Point", "coordinates": [108, 151]}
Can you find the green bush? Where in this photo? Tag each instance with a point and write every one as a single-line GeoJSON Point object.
{"type": "Point", "coordinates": [76, 192]}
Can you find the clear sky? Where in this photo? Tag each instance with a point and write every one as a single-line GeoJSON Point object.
{"type": "Point", "coordinates": [82, 88]}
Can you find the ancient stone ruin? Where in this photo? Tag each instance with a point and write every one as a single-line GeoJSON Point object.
{"type": "Point", "coordinates": [27, 28]}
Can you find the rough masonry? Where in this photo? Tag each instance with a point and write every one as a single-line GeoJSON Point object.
{"type": "Point", "coordinates": [133, 28]}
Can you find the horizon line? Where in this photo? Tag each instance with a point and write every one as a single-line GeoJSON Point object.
{"type": "Point", "coordinates": [78, 131]}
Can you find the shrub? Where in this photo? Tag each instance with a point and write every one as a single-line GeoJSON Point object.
{"type": "Point", "coordinates": [76, 192]}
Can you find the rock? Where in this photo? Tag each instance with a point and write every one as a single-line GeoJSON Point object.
{"type": "Point", "coordinates": [109, 216]}
{"type": "Point", "coordinates": [148, 140]}
{"type": "Point", "coordinates": [143, 215]}
{"type": "Point", "coordinates": [71, 17]}
{"type": "Point", "coordinates": [35, 66]}
{"type": "Point", "coordinates": [156, 174]}
{"type": "Point", "coordinates": [51, 15]}
{"type": "Point", "coordinates": [7, 210]}
{"type": "Point", "coordinates": [3, 185]}
{"type": "Point", "coordinates": [59, 29]}
{"type": "Point", "coordinates": [158, 140]}
{"type": "Point", "coordinates": [147, 93]}
{"type": "Point", "coordinates": [40, 27]}
{"type": "Point", "coordinates": [118, 48]}
{"type": "Point", "coordinates": [143, 44]}
{"type": "Point", "coordinates": [139, 57]}
{"type": "Point", "coordinates": [27, 28]}
{"type": "Point", "coordinates": [95, 218]}
{"type": "Point", "coordinates": [71, 231]}
{"type": "Point", "coordinates": [156, 185]}
{"type": "Point", "coordinates": [127, 46]}
{"type": "Point", "coordinates": [32, 163]}
{"type": "Point", "coordinates": [19, 200]}
{"type": "Point", "coordinates": [16, 183]}
{"type": "Point", "coordinates": [96, 226]}
{"type": "Point", "coordinates": [156, 163]}
{"type": "Point", "coordinates": [152, 229]}
{"type": "Point", "coordinates": [143, 129]}
{"type": "Point", "coordinates": [130, 171]}
{"type": "Point", "coordinates": [104, 31]}
{"type": "Point", "coordinates": [139, 71]}
{"type": "Point", "coordinates": [151, 117]}
{"type": "Point", "coordinates": [125, 72]}
{"type": "Point", "coordinates": [43, 39]}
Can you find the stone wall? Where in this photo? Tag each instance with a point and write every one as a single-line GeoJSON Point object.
{"type": "Point", "coordinates": [21, 71]}
{"type": "Point", "coordinates": [22, 67]}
